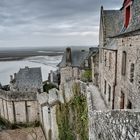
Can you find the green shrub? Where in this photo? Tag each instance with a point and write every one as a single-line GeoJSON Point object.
{"type": "Point", "coordinates": [48, 86]}
{"type": "Point", "coordinates": [87, 76]}
{"type": "Point", "coordinates": [72, 117]}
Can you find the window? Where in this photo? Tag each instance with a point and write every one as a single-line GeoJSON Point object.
{"type": "Point", "coordinates": [127, 16]}
{"type": "Point", "coordinates": [109, 93]}
{"type": "Point", "coordinates": [105, 59]}
{"type": "Point", "coordinates": [129, 105]}
{"type": "Point", "coordinates": [122, 100]}
{"type": "Point", "coordinates": [49, 110]}
{"type": "Point", "coordinates": [123, 63]}
{"type": "Point", "coordinates": [105, 87]}
{"type": "Point", "coordinates": [132, 67]}
{"type": "Point", "coordinates": [110, 57]}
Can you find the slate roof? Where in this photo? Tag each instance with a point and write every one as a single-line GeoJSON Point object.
{"type": "Point", "coordinates": [28, 79]}
{"type": "Point", "coordinates": [78, 57]}
{"type": "Point", "coordinates": [113, 21]}
{"type": "Point", "coordinates": [29, 74]}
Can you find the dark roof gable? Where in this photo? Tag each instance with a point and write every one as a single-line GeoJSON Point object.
{"type": "Point", "coordinates": [113, 21]}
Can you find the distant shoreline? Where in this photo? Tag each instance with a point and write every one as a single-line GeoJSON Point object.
{"type": "Point", "coordinates": [23, 55]}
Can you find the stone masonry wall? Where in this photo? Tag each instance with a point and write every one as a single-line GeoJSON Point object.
{"type": "Point", "coordinates": [17, 96]}
{"type": "Point", "coordinates": [131, 90]}
{"type": "Point", "coordinates": [66, 73]}
{"type": "Point", "coordinates": [18, 107]}
{"type": "Point", "coordinates": [47, 107]}
{"type": "Point", "coordinates": [108, 75]}
{"type": "Point", "coordinates": [19, 112]}
{"type": "Point", "coordinates": [116, 125]}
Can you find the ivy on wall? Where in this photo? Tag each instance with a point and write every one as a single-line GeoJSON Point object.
{"type": "Point", "coordinates": [72, 117]}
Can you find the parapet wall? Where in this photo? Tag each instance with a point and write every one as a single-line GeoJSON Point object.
{"type": "Point", "coordinates": [18, 96]}
{"type": "Point", "coordinates": [19, 107]}
{"type": "Point", "coordinates": [115, 125]}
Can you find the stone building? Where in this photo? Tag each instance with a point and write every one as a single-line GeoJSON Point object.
{"type": "Point", "coordinates": [27, 80]}
{"type": "Point", "coordinates": [119, 54]}
{"type": "Point", "coordinates": [54, 77]}
{"type": "Point", "coordinates": [18, 101]}
{"type": "Point", "coordinates": [74, 63]}
{"type": "Point", "coordinates": [95, 66]}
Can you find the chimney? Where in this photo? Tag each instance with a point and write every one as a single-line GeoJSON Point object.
{"type": "Point", "coordinates": [68, 57]}
{"type": "Point", "coordinates": [11, 78]}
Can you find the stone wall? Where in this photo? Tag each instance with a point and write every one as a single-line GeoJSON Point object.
{"type": "Point", "coordinates": [131, 90]}
{"type": "Point", "coordinates": [66, 73]}
{"type": "Point", "coordinates": [17, 107]}
{"type": "Point", "coordinates": [17, 96]}
{"type": "Point", "coordinates": [108, 77]}
{"type": "Point", "coordinates": [47, 107]}
{"type": "Point", "coordinates": [116, 125]}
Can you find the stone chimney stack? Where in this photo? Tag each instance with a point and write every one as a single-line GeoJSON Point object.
{"type": "Point", "coordinates": [11, 78]}
{"type": "Point", "coordinates": [68, 57]}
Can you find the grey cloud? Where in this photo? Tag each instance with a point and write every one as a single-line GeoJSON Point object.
{"type": "Point", "coordinates": [53, 19]}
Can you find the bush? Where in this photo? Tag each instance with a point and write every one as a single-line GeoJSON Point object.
{"type": "Point", "coordinates": [48, 86]}
{"type": "Point", "coordinates": [72, 117]}
{"type": "Point", "coordinates": [87, 76]}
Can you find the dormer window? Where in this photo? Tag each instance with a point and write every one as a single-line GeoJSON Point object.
{"type": "Point", "coordinates": [127, 16]}
{"type": "Point", "coordinates": [127, 12]}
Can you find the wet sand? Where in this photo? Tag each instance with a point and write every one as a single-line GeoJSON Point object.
{"type": "Point", "coordinates": [21, 54]}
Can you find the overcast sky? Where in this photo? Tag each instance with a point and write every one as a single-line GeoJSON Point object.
{"type": "Point", "coordinates": [51, 22]}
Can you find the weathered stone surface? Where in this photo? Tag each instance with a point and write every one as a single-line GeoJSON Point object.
{"type": "Point", "coordinates": [115, 125]}
{"type": "Point", "coordinates": [19, 107]}
{"type": "Point", "coordinates": [18, 96]}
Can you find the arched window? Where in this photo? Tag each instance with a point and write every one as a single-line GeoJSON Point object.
{"type": "Point", "coordinates": [109, 93]}
{"type": "Point", "coordinates": [105, 58]}
{"type": "Point", "coordinates": [124, 63]}
{"type": "Point", "coordinates": [110, 58]}
{"type": "Point", "coordinates": [105, 86]}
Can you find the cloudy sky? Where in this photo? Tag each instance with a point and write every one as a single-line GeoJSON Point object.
{"type": "Point", "coordinates": [51, 22]}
